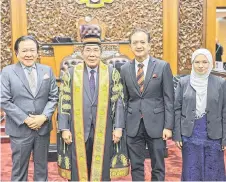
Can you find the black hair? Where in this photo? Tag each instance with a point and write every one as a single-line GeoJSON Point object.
{"type": "Point", "coordinates": [24, 38]}
{"type": "Point", "coordinates": [140, 30]}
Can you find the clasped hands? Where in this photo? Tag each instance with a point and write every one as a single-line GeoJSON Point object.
{"type": "Point", "coordinates": [35, 121]}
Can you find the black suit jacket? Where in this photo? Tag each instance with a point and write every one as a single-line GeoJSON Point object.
{"type": "Point", "coordinates": [156, 101]}
{"type": "Point", "coordinates": [219, 52]}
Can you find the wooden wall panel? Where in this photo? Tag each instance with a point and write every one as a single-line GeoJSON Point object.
{"type": "Point", "coordinates": [120, 17]}
{"type": "Point", "coordinates": [6, 55]}
{"type": "Point", "coordinates": [50, 18]}
{"type": "Point", "coordinates": [18, 21]}
{"type": "Point", "coordinates": [190, 32]}
{"type": "Point", "coordinates": [170, 33]}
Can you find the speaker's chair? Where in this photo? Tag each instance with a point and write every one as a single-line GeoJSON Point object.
{"type": "Point", "coordinates": [69, 61]}
{"type": "Point", "coordinates": [117, 61]}
{"type": "Point", "coordinates": [90, 26]}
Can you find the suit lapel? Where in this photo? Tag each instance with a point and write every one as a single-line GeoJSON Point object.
{"type": "Point", "coordinates": [86, 83]}
{"type": "Point", "coordinates": [96, 87]}
{"type": "Point", "coordinates": [133, 75]}
{"type": "Point", "coordinates": [21, 74]}
{"type": "Point", "coordinates": [191, 95]}
{"type": "Point", "coordinates": [210, 91]}
{"type": "Point", "coordinates": [40, 75]}
{"type": "Point", "coordinates": [150, 69]}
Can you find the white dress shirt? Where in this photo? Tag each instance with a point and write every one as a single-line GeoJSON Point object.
{"type": "Point", "coordinates": [145, 62]}
{"type": "Point", "coordinates": [25, 68]}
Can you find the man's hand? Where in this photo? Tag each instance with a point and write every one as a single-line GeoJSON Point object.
{"type": "Point", "coordinates": [223, 148]}
{"type": "Point", "coordinates": [67, 137]}
{"type": "Point", "coordinates": [166, 134]}
{"type": "Point", "coordinates": [38, 121]}
{"type": "Point", "coordinates": [179, 144]}
{"type": "Point", "coordinates": [117, 134]}
{"type": "Point", "coordinates": [30, 122]}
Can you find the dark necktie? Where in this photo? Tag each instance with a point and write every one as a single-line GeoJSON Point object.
{"type": "Point", "coordinates": [140, 77]}
{"type": "Point", "coordinates": [92, 83]}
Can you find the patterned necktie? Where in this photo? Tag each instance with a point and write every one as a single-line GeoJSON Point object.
{"type": "Point", "coordinates": [140, 77]}
{"type": "Point", "coordinates": [32, 79]}
{"type": "Point", "coordinates": [92, 83]}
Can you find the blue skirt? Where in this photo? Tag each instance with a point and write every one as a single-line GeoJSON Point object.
{"type": "Point", "coordinates": [203, 158]}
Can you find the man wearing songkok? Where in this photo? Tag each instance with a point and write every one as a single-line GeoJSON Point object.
{"type": "Point", "coordinates": [84, 120]}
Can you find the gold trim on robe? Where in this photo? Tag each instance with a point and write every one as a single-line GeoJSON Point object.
{"type": "Point", "coordinates": [80, 148]}
{"type": "Point", "coordinates": [64, 173]}
{"type": "Point", "coordinates": [101, 124]}
{"type": "Point", "coordinates": [101, 121]}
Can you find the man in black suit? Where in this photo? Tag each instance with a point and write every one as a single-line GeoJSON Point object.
{"type": "Point", "coordinates": [219, 52]}
{"type": "Point", "coordinates": [148, 90]}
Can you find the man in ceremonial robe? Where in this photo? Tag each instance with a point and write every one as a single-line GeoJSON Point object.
{"type": "Point", "coordinates": [84, 119]}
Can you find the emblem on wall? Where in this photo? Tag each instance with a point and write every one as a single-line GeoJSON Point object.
{"type": "Point", "coordinates": [94, 3]}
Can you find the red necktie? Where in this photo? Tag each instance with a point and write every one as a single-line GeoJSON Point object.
{"type": "Point", "coordinates": [140, 77]}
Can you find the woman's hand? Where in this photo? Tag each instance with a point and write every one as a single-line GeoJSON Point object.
{"type": "Point", "coordinates": [179, 145]}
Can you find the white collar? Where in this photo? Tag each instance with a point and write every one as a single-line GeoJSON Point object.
{"type": "Point", "coordinates": [25, 67]}
{"type": "Point", "coordinates": [145, 62]}
{"type": "Point", "coordinates": [89, 69]}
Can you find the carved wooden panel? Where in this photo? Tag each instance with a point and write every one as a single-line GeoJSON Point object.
{"type": "Point", "coordinates": [49, 18]}
{"type": "Point", "coordinates": [6, 55]}
{"type": "Point", "coordinates": [190, 32]}
{"type": "Point", "coordinates": [94, 3]}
